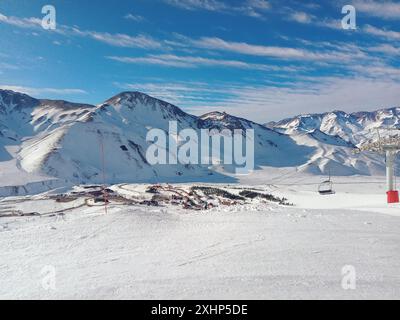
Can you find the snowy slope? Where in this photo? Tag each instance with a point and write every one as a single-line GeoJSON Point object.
{"type": "Point", "coordinates": [271, 147]}
{"type": "Point", "coordinates": [87, 144]}
{"type": "Point", "coordinates": [303, 146]}
{"type": "Point", "coordinates": [335, 156]}
{"type": "Point", "coordinates": [262, 251]}
{"type": "Point", "coordinates": [352, 127]}
{"type": "Point", "coordinates": [335, 134]}
{"type": "Point", "coordinates": [80, 143]}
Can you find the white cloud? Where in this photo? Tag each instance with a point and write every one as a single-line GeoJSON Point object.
{"type": "Point", "coordinates": [301, 17]}
{"type": "Point", "coordinates": [259, 4]}
{"type": "Point", "coordinates": [8, 66]}
{"type": "Point", "coordinates": [119, 40]}
{"type": "Point", "coordinates": [40, 91]}
{"type": "Point", "coordinates": [330, 23]}
{"type": "Point", "coordinates": [385, 49]}
{"type": "Point", "coordinates": [153, 59]}
{"type": "Point", "coordinates": [388, 34]}
{"type": "Point", "coordinates": [251, 8]}
{"type": "Point", "coordinates": [382, 9]}
{"type": "Point", "coordinates": [193, 62]}
{"type": "Point", "coordinates": [21, 22]}
{"type": "Point", "coordinates": [211, 5]}
{"type": "Point", "coordinates": [273, 51]}
{"type": "Point", "coordinates": [306, 18]}
{"type": "Point", "coordinates": [245, 48]}
{"type": "Point", "coordinates": [378, 71]}
{"type": "Point", "coordinates": [263, 104]}
{"type": "Point", "coordinates": [134, 17]}
{"type": "Point", "coordinates": [182, 94]}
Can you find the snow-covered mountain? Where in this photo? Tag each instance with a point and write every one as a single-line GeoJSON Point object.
{"type": "Point", "coordinates": [351, 127]}
{"type": "Point", "coordinates": [271, 147]}
{"type": "Point", "coordinates": [336, 133]}
{"type": "Point", "coordinates": [82, 143]}
{"type": "Point", "coordinates": [79, 143]}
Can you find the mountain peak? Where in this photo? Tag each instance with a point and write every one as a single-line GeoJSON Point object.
{"type": "Point", "coordinates": [143, 104]}
{"type": "Point", "coordinates": [222, 120]}
{"type": "Point", "coordinates": [218, 116]}
{"type": "Point", "coordinates": [65, 105]}
{"type": "Point", "coordinates": [215, 115]}
{"type": "Point", "coordinates": [11, 93]}
{"type": "Point", "coordinates": [132, 96]}
{"type": "Point", "coordinates": [351, 127]}
{"type": "Point", "coordinates": [9, 98]}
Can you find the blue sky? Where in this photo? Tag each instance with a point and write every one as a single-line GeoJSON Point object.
{"type": "Point", "coordinates": [263, 60]}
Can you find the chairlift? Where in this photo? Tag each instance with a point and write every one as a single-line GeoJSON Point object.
{"type": "Point", "coordinates": [326, 187]}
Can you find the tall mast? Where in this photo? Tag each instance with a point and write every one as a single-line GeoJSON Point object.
{"type": "Point", "coordinates": [388, 146]}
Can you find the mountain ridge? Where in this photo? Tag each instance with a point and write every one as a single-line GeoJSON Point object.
{"type": "Point", "coordinates": [63, 139]}
{"type": "Point", "coordinates": [354, 126]}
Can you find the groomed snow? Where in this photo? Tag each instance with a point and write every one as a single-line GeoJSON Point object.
{"type": "Point", "coordinates": [257, 251]}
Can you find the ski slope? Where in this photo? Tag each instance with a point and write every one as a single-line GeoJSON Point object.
{"type": "Point", "coordinates": [236, 250]}
{"type": "Point", "coordinates": [256, 251]}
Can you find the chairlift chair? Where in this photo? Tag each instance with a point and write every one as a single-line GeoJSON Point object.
{"type": "Point", "coordinates": [326, 188]}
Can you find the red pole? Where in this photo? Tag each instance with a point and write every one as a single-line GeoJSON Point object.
{"type": "Point", "coordinates": [105, 195]}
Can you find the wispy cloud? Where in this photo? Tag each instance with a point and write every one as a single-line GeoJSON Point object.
{"type": "Point", "coordinates": [360, 77]}
{"type": "Point", "coordinates": [386, 9]}
{"type": "Point", "coordinates": [40, 91]}
{"type": "Point", "coordinates": [307, 18]}
{"type": "Point", "coordinates": [210, 43]}
{"type": "Point", "coordinates": [251, 8]}
{"type": "Point", "coordinates": [8, 66]}
{"type": "Point", "coordinates": [301, 17]}
{"type": "Point", "coordinates": [155, 60]}
{"type": "Point", "coordinates": [330, 23]}
{"type": "Point", "coordinates": [134, 17]}
{"type": "Point", "coordinates": [194, 62]}
{"type": "Point", "coordinates": [211, 5]}
{"type": "Point", "coordinates": [183, 94]}
{"type": "Point", "coordinates": [378, 71]}
{"type": "Point", "coordinates": [386, 49]}
{"type": "Point", "coordinates": [388, 34]}
{"type": "Point", "coordinates": [21, 22]}
{"type": "Point", "coordinates": [264, 103]}
{"type": "Point", "coordinates": [272, 51]}
{"type": "Point", "coordinates": [118, 39]}
{"type": "Point", "coordinates": [248, 49]}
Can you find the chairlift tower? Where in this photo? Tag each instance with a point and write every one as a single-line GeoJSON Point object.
{"type": "Point", "coordinates": [389, 145]}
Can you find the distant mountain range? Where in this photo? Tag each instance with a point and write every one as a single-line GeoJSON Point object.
{"type": "Point", "coordinates": [351, 127]}
{"type": "Point", "coordinates": [67, 140]}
